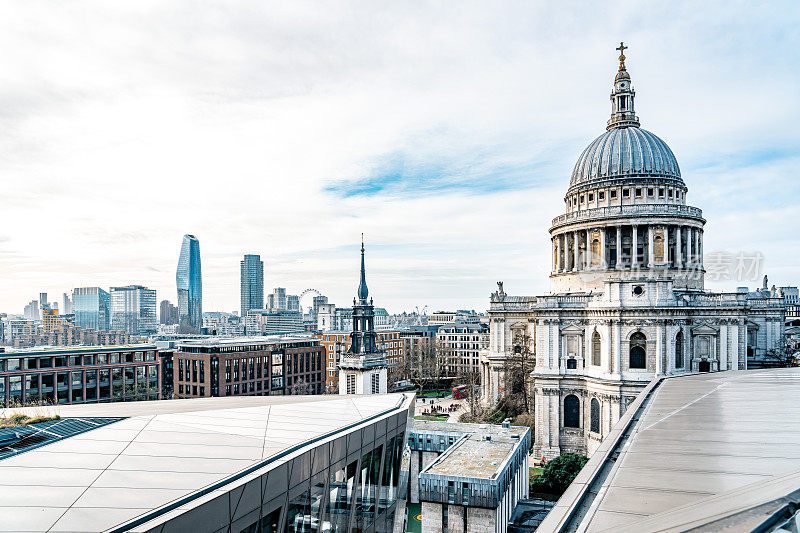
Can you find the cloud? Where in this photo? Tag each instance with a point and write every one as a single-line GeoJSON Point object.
{"type": "Point", "coordinates": [447, 133]}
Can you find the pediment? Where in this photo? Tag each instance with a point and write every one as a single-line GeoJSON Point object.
{"type": "Point", "coordinates": [572, 329]}
{"type": "Point", "coordinates": [705, 329]}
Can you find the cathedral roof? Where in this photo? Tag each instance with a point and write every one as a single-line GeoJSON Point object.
{"type": "Point", "coordinates": [625, 151]}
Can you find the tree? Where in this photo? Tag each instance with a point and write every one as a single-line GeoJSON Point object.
{"type": "Point", "coordinates": [424, 363]}
{"type": "Point", "coordinates": [517, 368]}
{"type": "Point", "coordinates": [474, 405]}
{"type": "Point", "coordinates": [782, 356]}
{"type": "Point", "coordinates": [558, 474]}
{"type": "Point", "coordinates": [301, 387]}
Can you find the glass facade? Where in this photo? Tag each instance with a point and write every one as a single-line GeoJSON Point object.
{"type": "Point", "coordinates": [190, 286]}
{"type": "Point", "coordinates": [92, 308]}
{"type": "Point", "coordinates": [65, 379]}
{"type": "Point", "coordinates": [343, 484]}
{"type": "Point", "coordinates": [252, 279]}
{"type": "Point", "coordinates": [133, 310]}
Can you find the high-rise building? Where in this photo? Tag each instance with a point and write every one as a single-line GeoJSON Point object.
{"type": "Point", "coordinates": [293, 303]}
{"type": "Point", "coordinates": [133, 310]}
{"type": "Point", "coordinates": [50, 319]}
{"type": "Point", "coordinates": [276, 301]}
{"type": "Point", "coordinates": [43, 302]}
{"type": "Point", "coordinates": [92, 308]}
{"type": "Point", "coordinates": [190, 286]}
{"type": "Point", "coordinates": [67, 305]}
{"type": "Point", "coordinates": [32, 310]}
{"type": "Point", "coordinates": [363, 369]}
{"type": "Point", "coordinates": [252, 281]}
{"type": "Point", "coordinates": [168, 313]}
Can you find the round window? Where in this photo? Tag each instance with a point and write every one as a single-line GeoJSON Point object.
{"type": "Point", "coordinates": [638, 290]}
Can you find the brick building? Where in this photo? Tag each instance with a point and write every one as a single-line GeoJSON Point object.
{"type": "Point", "coordinates": [84, 374]}
{"type": "Point", "coordinates": [337, 343]}
{"type": "Point", "coordinates": [248, 366]}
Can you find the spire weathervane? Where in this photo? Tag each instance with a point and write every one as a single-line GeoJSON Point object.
{"type": "Point", "coordinates": [622, 49]}
{"type": "Point", "coordinates": [363, 292]}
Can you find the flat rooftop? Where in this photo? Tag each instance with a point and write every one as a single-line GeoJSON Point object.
{"type": "Point", "coordinates": [76, 349]}
{"type": "Point", "coordinates": [162, 452]}
{"type": "Point", "coordinates": [703, 449]}
{"type": "Point", "coordinates": [473, 456]}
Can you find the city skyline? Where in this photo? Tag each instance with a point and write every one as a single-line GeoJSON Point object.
{"type": "Point", "coordinates": [416, 142]}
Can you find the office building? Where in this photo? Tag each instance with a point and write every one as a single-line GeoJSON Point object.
{"type": "Point", "coordinates": [266, 322]}
{"type": "Point", "coordinates": [467, 477]}
{"type": "Point", "coordinates": [79, 375]}
{"type": "Point", "coordinates": [50, 319]}
{"type": "Point", "coordinates": [248, 366]}
{"type": "Point", "coordinates": [252, 283]}
{"type": "Point", "coordinates": [32, 310]}
{"type": "Point", "coordinates": [67, 308]}
{"type": "Point", "coordinates": [168, 313]}
{"type": "Point", "coordinates": [44, 303]}
{"type": "Point", "coordinates": [276, 300]}
{"type": "Point", "coordinates": [266, 464]}
{"type": "Point", "coordinates": [461, 344]}
{"type": "Point", "coordinates": [133, 310]}
{"type": "Point", "coordinates": [190, 286]}
{"type": "Point", "coordinates": [92, 308]}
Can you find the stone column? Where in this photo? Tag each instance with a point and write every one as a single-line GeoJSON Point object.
{"type": "Point", "coordinates": [635, 247]}
{"type": "Point", "coordinates": [696, 246]}
{"type": "Point", "coordinates": [650, 255]}
{"type": "Point", "coordinates": [618, 265]}
{"type": "Point", "coordinates": [659, 347]}
{"type": "Point", "coordinates": [678, 254]}
{"type": "Point", "coordinates": [700, 249]}
{"type": "Point", "coordinates": [603, 261]}
{"type": "Point", "coordinates": [575, 252]}
{"type": "Point", "coordinates": [587, 256]}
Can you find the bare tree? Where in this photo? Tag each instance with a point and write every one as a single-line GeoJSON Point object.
{"type": "Point", "coordinates": [474, 405]}
{"type": "Point", "coordinates": [301, 387]}
{"type": "Point", "coordinates": [425, 361]}
{"type": "Point", "coordinates": [783, 356]}
{"type": "Point", "coordinates": [517, 368]}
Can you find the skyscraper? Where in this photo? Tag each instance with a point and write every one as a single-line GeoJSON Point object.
{"type": "Point", "coordinates": [252, 268]}
{"type": "Point", "coordinates": [92, 308]}
{"type": "Point", "coordinates": [133, 310]}
{"type": "Point", "coordinates": [190, 286]}
{"type": "Point", "coordinates": [67, 305]}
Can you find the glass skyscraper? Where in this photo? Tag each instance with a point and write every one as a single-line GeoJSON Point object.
{"type": "Point", "coordinates": [133, 310]}
{"type": "Point", "coordinates": [190, 286]}
{"type": "Point", "coordinates": [252, 283]}
{"type": "Point", "coordinates": [91, 306]}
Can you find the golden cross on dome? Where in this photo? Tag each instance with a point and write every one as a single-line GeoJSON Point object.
{"type": "Point", "coordinates": [622, 49]}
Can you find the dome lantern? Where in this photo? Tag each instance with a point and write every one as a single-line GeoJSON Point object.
{"type": "Point", "coordinates": [622, 111]}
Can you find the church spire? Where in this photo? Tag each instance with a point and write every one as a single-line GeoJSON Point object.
{"type": "Point", "coordinates": [363, 292]}
{"type": "Point", "coordinates": [622, 111]}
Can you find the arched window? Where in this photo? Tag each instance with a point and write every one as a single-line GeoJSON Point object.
{"type": "Point", "coordinates": [596, 349]}
{"type": "Point", "coordinates": [679, 350]}
{"type": "Point", "coordinates": [572, 364]}
{"type": "Point", "coordinates": [638, 346]}
{"type": "Point", "coordinates": [595, 416]}
{"type": "Point", "coordinates": [572, 412]}
{"type": "Point", "coordinates": [595, 251]}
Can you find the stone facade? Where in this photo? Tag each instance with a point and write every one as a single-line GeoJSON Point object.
{"type": "Point", "coordinates": [627, 301]}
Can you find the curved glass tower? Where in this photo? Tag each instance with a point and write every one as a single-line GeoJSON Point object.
{"type": "Point", "coordinates": [190, 286]}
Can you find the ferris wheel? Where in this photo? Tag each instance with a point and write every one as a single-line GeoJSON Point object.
{"type": "Point", "coordinates": [308, 291]}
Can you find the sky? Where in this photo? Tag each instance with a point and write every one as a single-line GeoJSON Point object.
{"type": "Point", "coordinates": [446, 132]}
